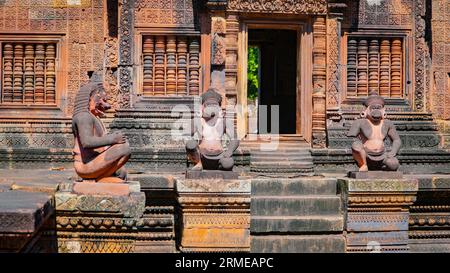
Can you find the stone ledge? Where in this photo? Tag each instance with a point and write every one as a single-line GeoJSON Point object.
{"type": "Point", "coordinates": [24, 212]}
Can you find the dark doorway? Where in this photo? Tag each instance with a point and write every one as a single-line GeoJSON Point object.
{"type": "Point", "coordinates": [277, 74]}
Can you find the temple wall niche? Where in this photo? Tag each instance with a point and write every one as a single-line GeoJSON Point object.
{"type": "Point", "coordinates": [82, 26]}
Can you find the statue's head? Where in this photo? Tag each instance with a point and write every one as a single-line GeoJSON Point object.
{"type": "Point", "coordinates": [92, 97]}
{"type": "Point", "coordinates": [375, 110]}
{"type": "Point", "coordinates": [211, 104]}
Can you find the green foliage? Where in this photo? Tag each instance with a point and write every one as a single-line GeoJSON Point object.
{"type": "Point", "coordinates": [252, 73]}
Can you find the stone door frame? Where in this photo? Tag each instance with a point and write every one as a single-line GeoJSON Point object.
{"type": "Point", "coordinates": [304, 71]}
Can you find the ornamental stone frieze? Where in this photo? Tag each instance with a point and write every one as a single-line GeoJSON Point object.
{"type": "Point", "coordinates": [315, 7]}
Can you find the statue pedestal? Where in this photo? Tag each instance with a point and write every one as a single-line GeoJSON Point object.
{"type": "Point", "coordinates": [215, 215]}
{"type": "Point", "coordinates": [91, 221]}
{"type": "Point", "coordinates": [376, 175]}
{"type": "Point", "coordinates": [377, 213]}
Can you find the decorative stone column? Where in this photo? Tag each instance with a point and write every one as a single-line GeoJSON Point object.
{"type": "Point", "coordinates": [319, 137]}
{"type": "Point", "coordinates": [377, 213]}
{"type": "Point", "coordinates": [215, 215]}
{"type": "Point", "coordinates": [126, 11]}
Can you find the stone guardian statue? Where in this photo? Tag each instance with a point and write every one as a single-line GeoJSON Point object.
{"type": "Point", "coordinates": [97, 155]}
{"type": "Point", "coordinates": [370, 132]}
{"type": "Point", "coordinates": [207, 153]}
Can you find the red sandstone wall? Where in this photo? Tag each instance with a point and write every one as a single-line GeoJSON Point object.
{"type": "Point", "coordinates": [440, 24]}
{"type": "Point", "coordinates": [82, 25]}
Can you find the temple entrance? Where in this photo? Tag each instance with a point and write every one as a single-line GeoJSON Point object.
{"type": "Point", "coordinates": [272, 80]}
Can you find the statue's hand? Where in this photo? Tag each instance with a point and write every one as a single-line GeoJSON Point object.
{"type": "Point", "coordinates": [390, 154]}
{"type": "Point", "coordinates": [227, 153]}
{"type": "Point", "coordinates": [119, 138]}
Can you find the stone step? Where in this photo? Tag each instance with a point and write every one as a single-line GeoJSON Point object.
{"type": "Point", "coordinates": [295, 205]}
{"type": "Point", "coordinates": [280, 158]}
{"type": "Point", "coordinates": [279, 149]}
{"type": "Point", "coordinates": [298, 186]}
{"type": "Point", "coordinates": [298, 244]}
{"type": "Point", "coordinates": [270, 155]}
{"type": "Point", "coordinates": [267, 143]}
{"type": "Point", "coordinates": [266, 224]}
{"type": "Point", "coordinates": [284, 164]}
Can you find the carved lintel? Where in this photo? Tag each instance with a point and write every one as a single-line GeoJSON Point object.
{"type": "Point", "coordinates": [317, 7]}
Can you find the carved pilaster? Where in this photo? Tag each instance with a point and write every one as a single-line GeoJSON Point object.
{"type": "Point", "coordinates": [231, 67]}
{"type": "Point", "coordinates": [420, 56]}
{"type": "Point", "coordinates": [319, 82]}
{"type": "Point", "coordinates": [125, 51]}
{"type": "Point", "coordinates": [333, 61]}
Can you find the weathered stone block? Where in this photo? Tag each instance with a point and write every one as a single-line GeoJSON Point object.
{"type": "Point", "coordinates": [298, 244]}
{"type": "Point", "coordinates": [119, 217]}
{"type": "Point", "coordinates": [22, 216]}
{"type": "Point", "coordinates": [294, 205]}
{"type": "Point", "coordinates": [215, 215]}
{"type": "Point", "coordinates": [377, 213]}
{"type": "Point", "coordinates": [280, 224]}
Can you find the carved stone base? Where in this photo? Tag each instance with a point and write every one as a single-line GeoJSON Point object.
{"type": "Point", "coordinates": [376, 175]}
{"type": "Point", "coordinates": [94, 188]}
{"type": "Point", "coordinates": [99, 223]}
{"type": "Point", "coordinates": [211, 174]}
{"type": "Point", "coordinates": [377, 213]}
{"type": "Point", "coordinates": [215, 215]}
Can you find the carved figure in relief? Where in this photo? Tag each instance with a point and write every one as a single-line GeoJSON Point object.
{"type": "Point", "coordinates": [370, 132]}
{"type": "Point", "coordinates": [206, 150]}
{"type": "Point", "coordinates": [97, 155]}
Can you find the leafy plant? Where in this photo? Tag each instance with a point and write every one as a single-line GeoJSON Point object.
{"type": "Point", "coordinates": [252, 72]}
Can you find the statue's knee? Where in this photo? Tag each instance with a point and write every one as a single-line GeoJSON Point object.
{"type": "Point", "coordinates": [191, 145]}
{"type": "Point", "coordinates": [125, 148]}
{"type": "Point", "coordinates": [357, 146]}
{"type": "Point", "coordinates": [392, 163]}
{"type": "Point", "coordinates": [227, 163]}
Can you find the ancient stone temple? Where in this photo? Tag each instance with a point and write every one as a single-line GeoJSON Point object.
{"type": "Point", "coordinates": [293, 186]}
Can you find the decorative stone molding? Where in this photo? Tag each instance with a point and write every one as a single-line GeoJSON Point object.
{"type": "Point", "coordinates": [215, 215]}
{"type": "Point", "coordinates": [377, 212]}
{"type": "Point", "coordinates": [280, 6]}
